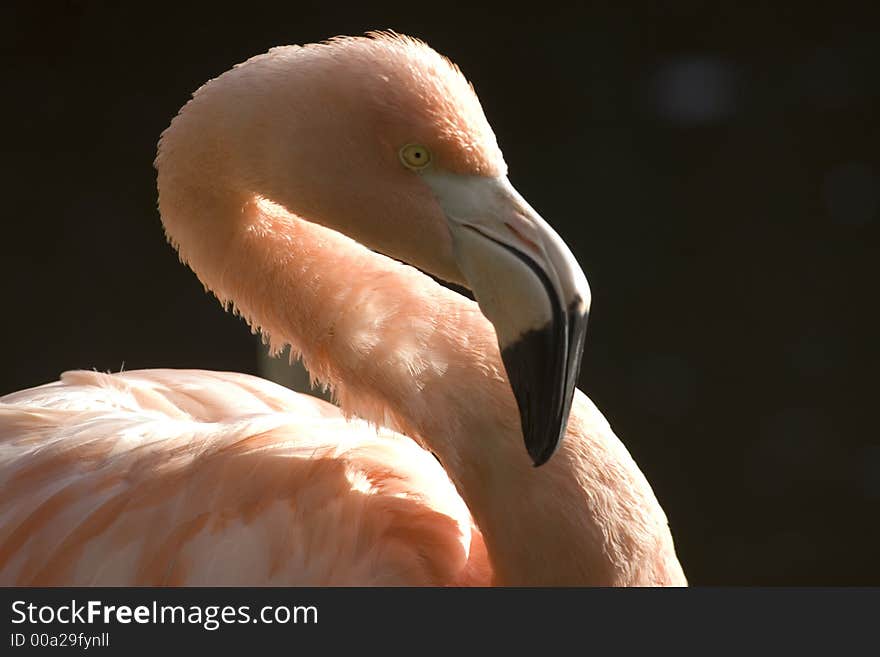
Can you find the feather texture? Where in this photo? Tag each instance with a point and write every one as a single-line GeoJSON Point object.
{"type": "Point", "coordinates": [179, 477]}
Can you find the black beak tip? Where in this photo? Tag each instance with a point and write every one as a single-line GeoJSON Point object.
{"type": "Point", "coordinates": [542, 366]}
{"type": "Point", "coordinates": [540, 451]}
{"type": "Point", "coordinates": [539, 459]}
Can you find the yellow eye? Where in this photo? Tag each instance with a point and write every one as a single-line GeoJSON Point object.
{"type": "Point", "coordinates": [414, 156]}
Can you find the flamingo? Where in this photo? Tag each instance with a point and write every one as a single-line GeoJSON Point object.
{"type": "Point", "coordinates": [306, 188]}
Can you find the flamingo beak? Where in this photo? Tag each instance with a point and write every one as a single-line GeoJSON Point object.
{"type": "Point", "coordinates": [529, 285]}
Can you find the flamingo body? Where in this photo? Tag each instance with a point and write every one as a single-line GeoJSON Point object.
{"type": "Point", "coordinates": [175, 477]}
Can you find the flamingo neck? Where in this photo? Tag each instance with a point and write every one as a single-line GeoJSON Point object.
{"type": "Point", "coordinates": [402, 351]}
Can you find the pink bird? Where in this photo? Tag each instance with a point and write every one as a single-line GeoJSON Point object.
{"type": "Point", "coordinates": [293, 185]}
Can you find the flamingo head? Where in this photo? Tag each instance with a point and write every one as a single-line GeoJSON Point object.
{"type": "Point", "coordinates": [524, 277]}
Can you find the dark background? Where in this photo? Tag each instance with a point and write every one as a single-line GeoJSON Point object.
{"type": "Point", "coordinates": [714, 170]}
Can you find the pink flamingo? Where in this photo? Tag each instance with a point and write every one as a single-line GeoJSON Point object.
{"type": "Point", "coordinates": [275, 182]}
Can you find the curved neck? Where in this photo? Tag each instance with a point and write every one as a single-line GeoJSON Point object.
{"type": "Point", "coordinates": [404, 352]}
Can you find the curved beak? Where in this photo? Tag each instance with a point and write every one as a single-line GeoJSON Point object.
{"type": "Point", "coordinates": [529, 285]}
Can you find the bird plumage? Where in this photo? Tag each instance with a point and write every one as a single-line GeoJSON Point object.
{"type": "Point", "coordinates": [172, 477]}
{"type": "Point", "coordinates": [177, 477]}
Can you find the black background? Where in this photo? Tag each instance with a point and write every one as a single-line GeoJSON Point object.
{"type": "Point", "coordinates": [715, 170]}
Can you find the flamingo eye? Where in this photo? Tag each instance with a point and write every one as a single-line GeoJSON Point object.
{"type": "Point", "coordinates": [415, 157]}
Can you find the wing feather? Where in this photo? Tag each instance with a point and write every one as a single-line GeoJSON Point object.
{"type": "Point", "coordinates": [172, 477]}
